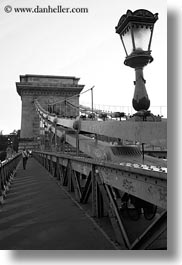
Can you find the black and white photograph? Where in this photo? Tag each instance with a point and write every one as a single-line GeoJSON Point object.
{"type": "Point", "coordinates": [83, 125]}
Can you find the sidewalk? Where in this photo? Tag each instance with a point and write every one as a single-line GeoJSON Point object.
{"type": "Point", "coordinates": [38, 214]}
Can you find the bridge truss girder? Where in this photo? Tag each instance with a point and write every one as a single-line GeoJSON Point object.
{"type": "Point", "coordinates": [85, 178]}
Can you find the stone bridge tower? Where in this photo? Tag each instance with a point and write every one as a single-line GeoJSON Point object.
{"type": "Point", "coordinates": [47, 90]}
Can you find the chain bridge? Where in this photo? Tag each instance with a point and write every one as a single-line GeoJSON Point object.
{"type": "Point", "coordinates": [96, 179]}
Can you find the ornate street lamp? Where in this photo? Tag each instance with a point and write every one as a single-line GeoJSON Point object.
{"type": "Point", "coordinates": [136, 30]}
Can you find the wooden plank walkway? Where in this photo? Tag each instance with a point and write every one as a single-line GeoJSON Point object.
{"type": "Point", "coordinates": [38, 214]}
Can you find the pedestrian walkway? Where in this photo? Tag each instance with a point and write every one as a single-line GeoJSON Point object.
{"type": "Point", "coordinates": [38, 214]}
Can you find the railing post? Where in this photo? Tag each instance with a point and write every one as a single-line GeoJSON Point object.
{"type": "Point", "coordinates": [94, 193]}
{"type": "Point", "coordinates": [69, 176]}
{"type": "Point", "coordinates": [57, 168]}
{"type": "Point", "coordinates": [98, 208]}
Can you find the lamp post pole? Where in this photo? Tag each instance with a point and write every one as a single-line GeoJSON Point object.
{"type": "Point", "coordinates": [140, 100]}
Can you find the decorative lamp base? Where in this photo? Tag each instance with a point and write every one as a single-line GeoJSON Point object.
{"type": "Point", "coordinates": [138, 59]}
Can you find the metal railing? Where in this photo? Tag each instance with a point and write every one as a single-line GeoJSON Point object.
{"type": "Point", "coordinates": [105, 185]}
{"type": "Point", "coordinates": [7, 173]}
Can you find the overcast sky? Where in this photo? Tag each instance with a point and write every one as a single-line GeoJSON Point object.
{"type": "Point", "coordinates": [81, 45]}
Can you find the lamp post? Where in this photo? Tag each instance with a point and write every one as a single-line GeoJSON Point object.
{"type": "Point", "coordinates": [136, 30]}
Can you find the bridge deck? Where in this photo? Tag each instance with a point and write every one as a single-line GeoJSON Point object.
{"type": "Point", "coordinates": [38, 214]}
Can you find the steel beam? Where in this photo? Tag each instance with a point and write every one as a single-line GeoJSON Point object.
{"type": "Point", "coordinates": [146, 184]}
{"type": "Point", "coordinates": [152, 233]}
{"type": "Point", "coordinates": [103, 181]}
{"type": "Point", "coordinates": [151, 189]}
